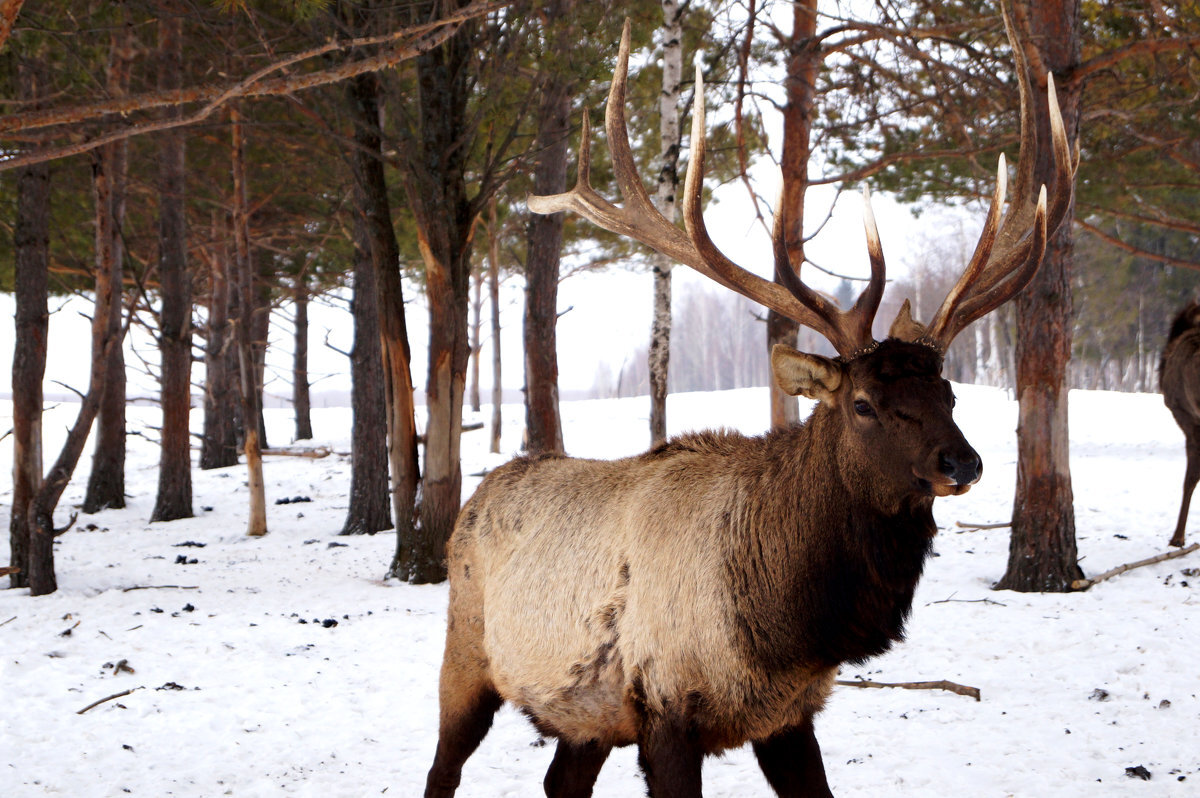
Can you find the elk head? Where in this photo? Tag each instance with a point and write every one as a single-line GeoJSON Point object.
{"type": "Point", "coordinates": [893, 403]}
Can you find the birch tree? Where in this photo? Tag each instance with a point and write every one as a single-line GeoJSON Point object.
{"type": "Point", "coordinates": [664, 199]}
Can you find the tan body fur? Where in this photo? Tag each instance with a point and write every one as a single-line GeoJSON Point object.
{"type": "Point", "coordinates": [712, 585]}
{"type": "Point", "coordinates": [644, 600]}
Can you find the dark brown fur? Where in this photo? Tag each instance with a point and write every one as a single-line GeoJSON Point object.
{"type": "Point", "coordinates": [1179, 381]}
{"type": "Point", "coordinates": [701, 595]}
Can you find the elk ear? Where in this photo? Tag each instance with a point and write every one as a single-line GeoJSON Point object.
{"type": "Point", "coordinates": [905, 327]}
{"type": "Point", "coordinates": [798, 374]}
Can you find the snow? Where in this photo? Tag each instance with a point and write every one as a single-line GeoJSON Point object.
{"type": "Point", "coordinates": [242, 686]}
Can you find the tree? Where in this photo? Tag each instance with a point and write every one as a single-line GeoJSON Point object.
{"type": "Point", "coordinates": [379, 307]}
{"type": "Point", "coordinates": [31, 244]}
{"type": "Point", "coordinates": [493, 275]}
{"type": "Point", "coordinates": [301, 402]}
{"type": "Point", "coordinates": [107, 333]}
{"type": "Point", "coordinates": [175, 336]}
{"type": "Point", "coordinates": [218, 447]}
{"type": "Point", "coordinates": [106, 484]}
{"type": "Point", "coordinates": [664, 199]}
{"type": "Point", "coordinates": [450, 171]}
{"type": "Point", "coordinates": [1042, 552]}
{"type": "Point", "coordinates": [804, 57]}
{"type": "Point", "coordinates": [543, 427]}
{"type": "Point", "coordinates": [369, 508]}
{"type": "Point", "coordinates": [256, 524]}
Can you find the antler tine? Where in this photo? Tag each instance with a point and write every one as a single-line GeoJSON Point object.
{"type": "Point", "coordinates": [983, 250]}
{"type": "Point", "coordinates": [1010, 252]}
{"type": "Point", "coordinates": [849, 331]}
{"type": "Point", "coordinates": [868, 301]}
{"type": "Point", "coordinates": [788, 276]}
{"type": "Point", "coordinates": [633, 191]}
{"type": "Point", "coordinates": [640, 220]}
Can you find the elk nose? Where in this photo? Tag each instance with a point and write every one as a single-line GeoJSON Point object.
{"type": "Point", "coordinates": [962, 467]}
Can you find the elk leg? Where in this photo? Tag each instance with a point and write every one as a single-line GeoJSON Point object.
{"type": "Point", "coordinates": [791, 761]}
{"type": "Point", "coordinates": [465, 719]}
{"type": "Point", "coordinates": [1189, 485]}
{"type": "Point", "coordinates": [574, 769]}
{"type": "Point", "coordinates": [670, 757]}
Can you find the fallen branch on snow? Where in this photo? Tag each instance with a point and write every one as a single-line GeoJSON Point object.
{"type": "Point", "coordinates": [296, 451]}
{"type": "Point", "coordinates": [975, 527]}
{"type": "Point", "coordinates": [1084, 584]}
{"type": "Point", "coordinates": [95, 704]}
{"type": "Point", "coordinates": [953, 687]}
{"type": "Point", "coordinates": [160, 587]}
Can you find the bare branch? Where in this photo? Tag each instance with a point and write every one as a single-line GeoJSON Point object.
{"type": "Point", "coordinates": [953, 687]}
{"type": "Point", "coordinates": [95, 704]}
{"type": "Point", "coordinates": [1131, 50]}
{"type": "Point", "coordinates": [1142, 253]}
{"type": "Point", "coordinates": [1084, 584]}
{"type": "Point", "coordinates": [216, 97]}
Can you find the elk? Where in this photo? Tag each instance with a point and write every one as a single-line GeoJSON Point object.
{"type": "Point", "coordinates": [1179, 381]}
{"type": "Point", "coordinates": [703, 594]}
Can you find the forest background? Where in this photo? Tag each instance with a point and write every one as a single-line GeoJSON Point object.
{"type": "Point", "coordinates": [203, 170]}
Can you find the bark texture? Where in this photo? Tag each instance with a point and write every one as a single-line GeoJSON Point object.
{"type": "Point", "coordinates": [380, 240]}
{"type": "Point", "coordinates": [494, 300]}
{"type": "Point", "coordinates": [301, 401]}
{"type": "Point", "coordinates": [544, 234]}
{"type": "Point", "coordinates": [106, 484]}
{"type": "Point", "coordinates": [106, 335]}
{"type": "Point", "coordinates": [659, 355]}
{"type": "Point", "coordinates": [804, 57]}
{"type": "Point", "coordinates": [1042, 551]}
{"type": "Point", "coordinates": [256, 523]}
{"type": "Point", "coordinates": [31, 245]}
{"type": "Point", "coordinates": [219, 446]}
{"type": "Point", "coordinates": [174, 499]}
{"type": "Point", "coordinates": [437, 192]}
{"type": "Point", "coordinates": [369, 498]}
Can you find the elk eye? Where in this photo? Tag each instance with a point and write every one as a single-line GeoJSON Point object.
{"type": "Point", "coordinates": [863, 408]}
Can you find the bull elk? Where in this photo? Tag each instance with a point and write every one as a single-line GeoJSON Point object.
{"type": "Point", "coordinates": [702, 595]}
{"type": "Point", "coordinates": [1179, 381]}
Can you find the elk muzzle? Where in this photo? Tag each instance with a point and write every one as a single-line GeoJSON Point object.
{"type": "Point", "coordinates": [959, 468]}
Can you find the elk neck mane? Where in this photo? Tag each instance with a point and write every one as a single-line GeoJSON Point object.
{"type": "Point", "coordinates": [817, 573]}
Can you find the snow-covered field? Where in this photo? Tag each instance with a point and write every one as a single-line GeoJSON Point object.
{"type": "Point", "coordinates": [286, 665]}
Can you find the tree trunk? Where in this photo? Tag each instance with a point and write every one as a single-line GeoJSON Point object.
{"type": "Point", "coordinates": [543, 426]}
{"type": "Point", "coordinates": [256, 523]}
{"type": "Point", "coordinates": [175, 465]}
{"type": "Point", "coordinates": [369, 509]}
{"type": "Point", "coordinates": [106, 335]}
{"type": "Point", "coordinates": [219, 446]}
{"type": "Point", "coordinates": [494, 299]}
{"type": "Point", "coordinates": [804, 58]}
{"type": "Point", "coordinates": [437, 192]}
{"type": "Point", "coordinates": [476, 338]}
{"type": "Point", "coordinates": [1042, 551]}
{"type": "Point", "coordinates": [31, 243]}
{"type": "Point", "coordinates": [665, 199]}
{"type": "Point", "coordinates": [262, 278]}
{"type": "Point", "coordinates": [106, 484]}
{"type": "Point", "coordinates": [371, 185]}
{"type": "Point", "coordinates": [301, 402]}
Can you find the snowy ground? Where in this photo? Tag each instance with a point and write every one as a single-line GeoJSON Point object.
{"type": "Point", "coordinates": [286, 665]}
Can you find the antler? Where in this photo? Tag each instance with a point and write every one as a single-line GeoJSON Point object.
{"type": "Point", "coordinates": [848, 331]}
{"type": "Point", "coordinates": [1008, 253]}
{"type": "Point", "coordinates": [1007, 256]}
